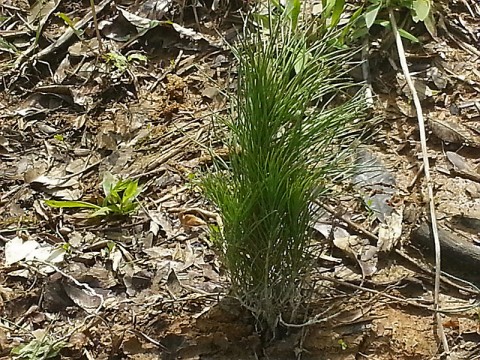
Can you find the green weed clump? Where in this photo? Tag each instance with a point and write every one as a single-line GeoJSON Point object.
{"type": "Point", "coordinates": [284, 147]}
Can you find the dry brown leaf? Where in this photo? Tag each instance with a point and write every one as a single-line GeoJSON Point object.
{"type": "Point", "coordinates": [190, 220]}
{"type": "Point", "coordinates": [453, 132]}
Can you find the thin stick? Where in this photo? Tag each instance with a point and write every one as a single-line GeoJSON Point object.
{"type": "Point", "coordinates": [411, 302]}
{"type": "Point", "coordinates": [446, 278]}
{"type": "Point", "coordinates": [366, 74]}
{"type": "Point", "coordinates": [431, 199]}
{"type": "Point", "coordinates": [95, 24]}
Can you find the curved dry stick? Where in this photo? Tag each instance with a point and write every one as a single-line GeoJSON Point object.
{"type": "Point", "coordinates": [426, 169]}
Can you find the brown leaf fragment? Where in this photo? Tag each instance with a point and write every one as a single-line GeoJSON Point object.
{"type": "Point", "coordinates": [5, 339]}
{"type": "Point", "coordinates": [390, 230]}
{"type": "Point", "coordinates": [55, 298]}
{"type": "Point", "coordinates": [473, 190]}
{"type": "Point", "coordinates": [453, 132]}
{"type": "Point", "coordinates": [462, 167]}
{"type": "Point", "coordinates": [190, 220]}
{"type": "Point", "coordinates": [210, 92]}
{"type": "Point", "coordinates": [359, 249]}
{"type": "Point", "coordinates": [160, 220]}
{"type": "Point", "coordinates": [78, 340]}
{"type": "Point", "coordinates": [132, 346]}
{"type": "Point", "coordinates": [173, 283]}
{"type": "Point", "coordinates": [459, 162]}
{"type": "Point", "coordinates": [84, 299]}
{"type": "Point", "coordinates": [469, 221]}
{"type": "Point", "coordinates": [439, 79]}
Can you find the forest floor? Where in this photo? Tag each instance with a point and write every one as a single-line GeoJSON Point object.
{"type": "Point", "coordinates": [150, 285]}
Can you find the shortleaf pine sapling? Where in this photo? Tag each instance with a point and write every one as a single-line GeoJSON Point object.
{"type": "Point", "coordinates": [284, 140]}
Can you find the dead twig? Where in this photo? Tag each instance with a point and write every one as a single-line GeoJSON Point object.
{"type": "Point", "coordinates": [467, 287]}
{"type": "Point", "coordinates": [351, 224]}
{"type": "Point", "coordinates": [76, 282]}
{"type": "Point", "coordinates": [62, 40]}
{"type": "Point", "coordinates": [80, 172]}
{"type": "Point", "coordinates": [317, 319]}
{"type": "Point", "coordinates": [366, 74]}
{"type": "Point", "coordinates": [426, 165]}
{"type": "Point", "coordinates": [434, 309]}
{"type": "Point", "coordinates": [39, 31]}
{"type": "Point", "coordinates": [149, 339]}
{"type": "Point", "coordinates": [95, 23]}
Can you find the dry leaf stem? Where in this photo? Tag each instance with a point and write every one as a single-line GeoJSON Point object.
{"type": "Point", "coordinates": [426, 165]}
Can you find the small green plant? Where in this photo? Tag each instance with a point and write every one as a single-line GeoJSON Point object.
{"type": "Point", "coordinates": [43, 347]}
{"type": "Point", "coordinates": [120, 198]}
{"type": "Point", "coordinates": [122, 62]}
{"type": "Point", "coordinates": [355, 22]}
{"type": "Point", "coordinates": [368, 205]}
{"type": "Point", "coordinates": [71, 24]}
{"type": "Point", "coordinates": [343, 344]}
{"type": "Point", "coordinates": [420, 11]}
{"type": "Point", "coordinates": [283, 151]}
{"type": "Point", "coordinates": [7, 46]}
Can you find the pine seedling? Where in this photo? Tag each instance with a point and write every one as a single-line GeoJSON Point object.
{"type": "Point", "coordinates": [283, 135]}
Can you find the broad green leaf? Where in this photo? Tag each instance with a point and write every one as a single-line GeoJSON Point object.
{"type": "Point", "coordinates": [7, 47]}
{"type": "Point", "coordinates": [356, 14]}
{"type": "Point", "coordinates": [70, 24]}
{"type": "Point", "coordinates": [359, 33]}
{"type": "Point", "coordinates": [66, 19]}
{"type": "Point", "coordinates": [337, 12]}
{"type": "Point", "coordinates": [129, 208]}
{"type": "Point", "coordinates": [371, 14]}
{"type": "Point", "coordinates": [118, 60]}
{"type": "Point", "coordinates": [276, 3]}
{"type": "Point", "coordinates": [422, 9]}
{"type": "Point", "coordinates": [405, 34]}
{"type": "Point", "coordinates": [351, 23]}
{"type": "Point", "coordinates": [102, 211]}
{"type": "Point", "coordinates": [108, 183]}
{"type": "Point", "coordinates": [327, 7]}
{"type": "Point", "coordinates": [131, 192]}
{"type": "Point", "coordinates": [293, 11]}
{"type": "Point", "coordinates": [137, 56]}
{"type": "Point", "coordinates": [71, 204]}
{"type": "Point", "coordinates": [384, 23]}
{"type": "Point", "coordinates": [36, 349]}
{"type": "Point", "coordinates": [431, 25]}
{"type": "Point", "coordinates": [112, 198]}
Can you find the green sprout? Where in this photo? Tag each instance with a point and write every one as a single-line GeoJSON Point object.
{"type": "Point", "coordinates": [122, 62]}
{"type": "Point", "coordinates": [40, 348]}
{"type": "Point", "coordinates": [419, 10]}
{"type": "Point", "coordinates": [120, 198]}
{"type": "Point", "coordinates": [71, 24]}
